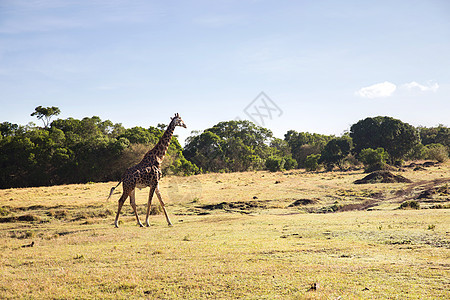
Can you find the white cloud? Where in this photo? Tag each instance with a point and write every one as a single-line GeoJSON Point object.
{"type": "Point", "coordinates": [386, 89]}
{"type": "Point", "coordinates": [428, 87]}
{"type": "Point", "coordinates": [379, 90]}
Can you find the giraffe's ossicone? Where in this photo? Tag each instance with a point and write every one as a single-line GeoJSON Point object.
{"type": "Point", "coordinates": [147, 173]}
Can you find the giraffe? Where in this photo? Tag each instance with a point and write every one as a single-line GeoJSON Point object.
{"type": "Point", "coordinates": [147, 173]}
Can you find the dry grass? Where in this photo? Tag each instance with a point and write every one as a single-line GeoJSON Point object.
{"type": "Point", "coordinates": [234, 236]}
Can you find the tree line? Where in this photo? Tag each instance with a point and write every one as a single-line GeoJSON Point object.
{"type": "Point", "coordinates": [91, 150]}
{"type": "Point", "coordinates": [79, 151]}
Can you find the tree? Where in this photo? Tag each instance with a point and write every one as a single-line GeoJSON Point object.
{"type": "Point", "coordinates": [335, 151]}
{"type": "Point", "coordinates": [240, 156]}
{"type": "Point", "coordinates": [230, 146]}
{"type": "Point", "coordinates": [138, 135]}
{"type": "Point", "coordinates": [205, 151]}
{"type": "Point", "coordinates": [46, 113]}
{"type": "Point", "coordinates": [395, 136]}
{"type": "Point", "coordinates": [280, 147]}
{"type": "Point", "coordinates": [435, 135]}
{"type": "Point", "coordinates": [303, 144]}
{"type": "Point", "coordinates": [8, 129]}
{"type": "Point", "coordinates": [76, 151]}
{"type": "Point", "coordinates": [256, 137]}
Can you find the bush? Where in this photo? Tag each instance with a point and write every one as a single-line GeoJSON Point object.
{"type": "Point", "coordinates": [410, 205]}
{"type": "Point", "coordinates": [312, 162]}
{"type": "Point", "coordinates": [373, 160]}
{"type": "Point", "coordinates": [275, 163]}
{"type": "Point", "coordinates": [4, 211]}
{"type": "Point", "coordinates": [290, 163]}
{"type": "Point", "coordinates": [437, 152]}
{"type": "Point", "coordinates": [352, 161]}
{"type": "Point", "coordinates": [418, 152]}
{"type": "Point", "coordinates": [184, 167]}
{"type": "Point", "coordinates": [303, 152]}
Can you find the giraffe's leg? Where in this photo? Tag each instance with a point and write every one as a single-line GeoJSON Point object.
{"type": "Point", "coordinates": [162, 205]}
{"type": "Point", "coordinates": [150, 196]}
{"type": "Point", "coordinates": [121, 202]}
{"type": "Point", "coordinates": [133, 205]}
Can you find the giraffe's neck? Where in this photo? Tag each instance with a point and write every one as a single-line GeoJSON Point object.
{"type": "Point", "coordinates": [160, 149]}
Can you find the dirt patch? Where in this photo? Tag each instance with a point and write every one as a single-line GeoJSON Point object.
{"type": "Point", "coordinates": [382, 177]}
{"type": "Point", "coordinates": [63, 233]}
{"type": "Point", "coordinates": [301, 202]}
{"type": "Point", "coordinates": [359, 206]}
{"type": "Point", "coordinates": [347, 207]}
{"type": "Point", "coordinates": [439, 191]}
{"type": "Point", "coordinates": [427, 194]}
{"type": "Point", "coordinates": [419, 166]}
{"type": "Point", "coordinates": [377, 195]}
{"type": "Point", "coordinates": [436, 190]}
{"type": "Point", "coordinates": [24, 218]}
{"type": "Point", "coordinates": [34, 207]}
{"type": "Point", "coordinates": [239, 206]}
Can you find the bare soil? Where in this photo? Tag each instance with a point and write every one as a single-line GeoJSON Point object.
{"type": "Point", "coordinates": [382, 177]}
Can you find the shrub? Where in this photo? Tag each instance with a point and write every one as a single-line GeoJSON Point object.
{"type": "Point", "coordinates": [303, 152]}
{"type": "Point", "coordinates": [352, 160]}
{"type": "Point", "coordinates": [4, 211]}
{"type": "Point", "coordinates": [373, 160]}
{"type": "Point", "coordinates": [312, 162]}
{"type": "Point", "coordinates": [410, 205]}
{"type": "Point", "coordinates": [290, 163]}
{"type": "Point", "coordinates": [156, 209]}
{"type": "Point", "coordinates": [418, 152]}
{"type": "Point", "coordinates": [184, 167]}
{"type": "Point", "coordinates": [437, 152]}
{"type": "Point", "coordinates": [275, 163]}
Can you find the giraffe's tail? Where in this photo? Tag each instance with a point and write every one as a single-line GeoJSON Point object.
{"type": "Point", "coordinates": [112, 189]}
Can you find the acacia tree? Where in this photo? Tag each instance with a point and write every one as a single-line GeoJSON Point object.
{"type": "Point", "coordinates": [46, 113]}
{"type": "Point", "coordinates": [396, 137]}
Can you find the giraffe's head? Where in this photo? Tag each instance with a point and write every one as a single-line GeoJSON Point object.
{"type": "Point", "coordinates": [178, 121]}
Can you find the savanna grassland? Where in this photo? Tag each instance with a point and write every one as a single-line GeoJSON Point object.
{"type": "Point", "coordinates": [251, 235]}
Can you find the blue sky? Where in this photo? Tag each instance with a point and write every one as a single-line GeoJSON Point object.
{"type": "Point", "coordinates": [323, 65]}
